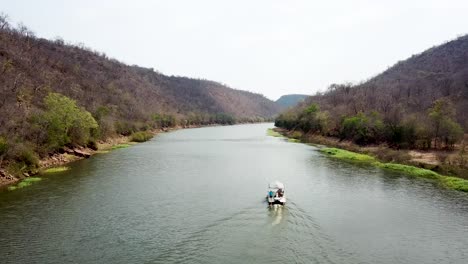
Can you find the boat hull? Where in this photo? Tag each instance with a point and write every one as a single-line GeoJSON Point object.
{"type": "Point", "coordinates": [275, 200]}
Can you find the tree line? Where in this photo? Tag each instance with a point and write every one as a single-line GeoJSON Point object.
{"type": "Point", "coordinates": [436, 129]}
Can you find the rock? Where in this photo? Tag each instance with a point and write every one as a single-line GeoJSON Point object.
{"type": "Point", "coordinates": [69, 151]}
{"type": "Point", "coordinates": [81, 153]}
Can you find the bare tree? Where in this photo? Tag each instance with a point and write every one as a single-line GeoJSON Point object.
{"type": "Point", "coordinates": [4, 24]}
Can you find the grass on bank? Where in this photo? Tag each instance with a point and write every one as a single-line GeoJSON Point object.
{"type": "Point", "coordinates": [449, 182]}
{"type": "Point", "coordinates": [24, 183]}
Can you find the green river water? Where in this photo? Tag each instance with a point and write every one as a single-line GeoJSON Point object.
{"type": "Point", "coordinates": [198, 196]}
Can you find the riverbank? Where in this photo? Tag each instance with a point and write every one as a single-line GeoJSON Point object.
{"type": "Point", "coordinates": [57, 162]}
{"type": "Point", "coordinates": [393, 159]}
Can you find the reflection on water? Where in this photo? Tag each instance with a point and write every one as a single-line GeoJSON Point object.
{"type": "Point", "coordinates": [197, 196]}
{"type": "Point", "coordinates": [276, 212]}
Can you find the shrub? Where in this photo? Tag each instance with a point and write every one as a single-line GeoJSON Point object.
{"type": "Point", "coordinates": [24, 156]}
{"type": "Point", "coordinates": [124, 128]}
{"type": "Point", "coordinates": [141, 136]}
{"type": "Point", "coordinates": [296, 134]}
{"type": "Point", "coordinates": [107, 128]}
{"type": "Point", "coordinates": [161, 120]}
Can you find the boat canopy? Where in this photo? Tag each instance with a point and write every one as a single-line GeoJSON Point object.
{"type": "Point", "coordinates": [276, 185]}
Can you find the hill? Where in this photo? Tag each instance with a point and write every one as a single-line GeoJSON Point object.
{"type": "Point", "coordinates": [417, 103]}
{"type": "Point", "coordinates": [104, 96]}
{"type": "Point", "coordinates": [289, 100]}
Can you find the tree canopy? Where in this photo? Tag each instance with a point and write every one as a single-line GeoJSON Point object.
{"type": "Point", "coordinates": [65, 122]}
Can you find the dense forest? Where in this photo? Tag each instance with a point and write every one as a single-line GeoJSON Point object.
{"type": "Point", "coordinates": [54, 94]}
{"type": "Point", "coordinates": [289, 100]}
{"type": "Point", "coordinates": [417, 103]}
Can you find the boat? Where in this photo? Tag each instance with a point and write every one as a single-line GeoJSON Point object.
{"type": "Point", "coordinates": [275, 195]}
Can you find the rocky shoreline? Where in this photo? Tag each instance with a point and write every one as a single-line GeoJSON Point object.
{"type": "Point", "coordinates": [66, 156]}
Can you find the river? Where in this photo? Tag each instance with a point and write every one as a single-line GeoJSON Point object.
{"type": "Point", "coordinates": [197, 196]}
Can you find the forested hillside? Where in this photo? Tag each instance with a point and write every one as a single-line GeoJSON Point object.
{"type": "Point", "coordinates": [418, 103]}
{"type": "Point", "coordinates": [44, 83]}
{"type": "Point", "coordinates": [289, 100]}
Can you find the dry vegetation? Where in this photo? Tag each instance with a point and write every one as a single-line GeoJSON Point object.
{"type": "Point", "coordinates": [38, 77]}
{"type": "Point", "coordinates": [418, 104]}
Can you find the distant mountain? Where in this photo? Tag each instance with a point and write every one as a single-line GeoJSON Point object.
{"type": "Point", "coordinates": [289, 100]}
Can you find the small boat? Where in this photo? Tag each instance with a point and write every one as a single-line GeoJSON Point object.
{"type": "Point", "coordinates": [276, 194]}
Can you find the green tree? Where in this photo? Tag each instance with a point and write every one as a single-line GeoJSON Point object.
{"type": "Point", "coordinates": [363, 129]}
{"type": "Point", "coordinates": [309, 120]}
{"type": "Point", "coordinates": [313, 108]}
{"type": "Point", "coordinates": [287, 120]}
{"type": "Point", "coordinates": [444, 128]}
{"type": "Point", "coordinates": [66, 122]}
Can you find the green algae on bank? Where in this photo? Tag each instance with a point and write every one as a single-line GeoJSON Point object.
{"type": "Point", "coordinates": [410, 170]}
{"type": "Point", "coordinates": [273, 133]}
{"type": "Point", "coordinates": [294, 139]}
{"type": "Point", "coordinates": [24, 183]}
{"type": "Point", "coordinates": [119, 146]}
{"type": "Point", "coordinates": [447, 181]}
{"type": "Point", "coordinates": [348, 155]}
{"type": "Point", "coordinates": [56, 169]}
{"type": "Point", "coordinates": [454, 183]}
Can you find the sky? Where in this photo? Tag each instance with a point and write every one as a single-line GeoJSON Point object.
{"type": "Point", "coordinates": [272, 47]}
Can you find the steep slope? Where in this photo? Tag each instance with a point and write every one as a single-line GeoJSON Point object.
{"type": "Point", "coordinates": [289, 100]}
{"type": "Point", "coordinates": [55, 95]}
{"type": "Point", "coordinates": [31, 67]}
{"type": "Point", "coordinates": [411, 86]}
{"type": "Point", "coordinates": [419, 102]}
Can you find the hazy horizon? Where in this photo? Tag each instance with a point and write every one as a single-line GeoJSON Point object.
{"type": "Point", "coordinates": [268, 47]}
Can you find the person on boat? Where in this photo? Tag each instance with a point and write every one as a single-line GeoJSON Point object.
{"type": "Point", "coordinates": [280, 192]}
{"type": "Point", "coordinates": [271, 194]}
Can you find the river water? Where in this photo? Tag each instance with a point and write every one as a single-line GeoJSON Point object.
{"type": "Point", "coordinates": [197, 196]}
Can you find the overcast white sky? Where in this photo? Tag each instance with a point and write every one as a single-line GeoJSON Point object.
{"type": "Point", "coordinates": [271, 47]}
